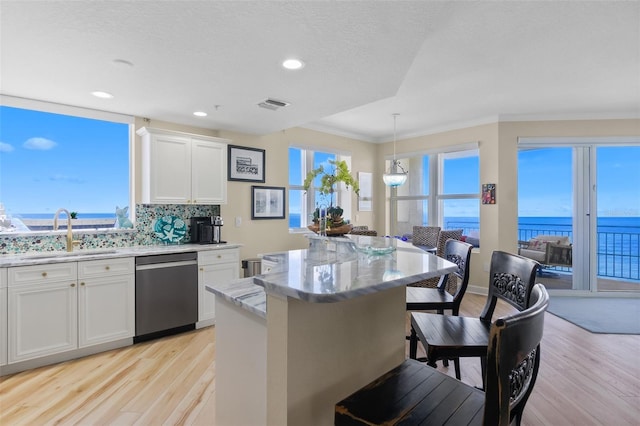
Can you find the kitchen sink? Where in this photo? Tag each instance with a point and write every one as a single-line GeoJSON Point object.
{"type": "Point", "coordinates": [64, 254]}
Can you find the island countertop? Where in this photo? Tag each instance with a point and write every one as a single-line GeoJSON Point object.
{"type": "Point", "coordinates": [335, 269]}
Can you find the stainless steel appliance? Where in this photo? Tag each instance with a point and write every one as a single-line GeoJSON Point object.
{"type": "Point", "coordinates": [217, 230]}
{"type": "Point", "coordinates": [166, 294]}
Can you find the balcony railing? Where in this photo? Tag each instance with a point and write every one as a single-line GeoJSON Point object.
{"type": "Point", "coordinates": [618, 247]}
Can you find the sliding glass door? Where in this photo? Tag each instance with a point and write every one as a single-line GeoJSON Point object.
{"type": "Point", "coordinates": [579, 213]}
{"type": "Point", "coordinates": [617, 191]}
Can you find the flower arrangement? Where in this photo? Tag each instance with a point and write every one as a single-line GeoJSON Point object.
{"type": "Point", "coordinates": [338, 172]}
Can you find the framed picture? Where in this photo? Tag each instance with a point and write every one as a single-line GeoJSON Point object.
{"type": "Point", "coordinates": [245, 164]}
{"type": "Point", "coordinates": [267, 202]}
{"type": "Point", "coordinates": [489, 193]}
{"type": "Point", "coordinates": [364, 199]}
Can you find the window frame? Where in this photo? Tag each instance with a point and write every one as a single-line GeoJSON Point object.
{"type": "Point", "coordinates": [93, 114]}
{"type": "Point", "coordinates": [435, 197]}
{"type": "Point", "coordinates": [307, 203]}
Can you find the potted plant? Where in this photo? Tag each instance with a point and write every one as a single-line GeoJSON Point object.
{"type": "Point", "coordinates": [338, 172]}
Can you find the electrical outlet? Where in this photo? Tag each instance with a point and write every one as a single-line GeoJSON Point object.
{"type": "Point", "coordinates": [486, 266]}
{"type": "Point", "coordinates": [238, 221]}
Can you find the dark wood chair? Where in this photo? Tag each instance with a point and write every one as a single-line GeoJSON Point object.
{"type": "Point", "coordinates": [512, 278]}
{"type": "Point", "coordinates": [438, 299]}
{"type": "Point", "coordinates": [413, 393]}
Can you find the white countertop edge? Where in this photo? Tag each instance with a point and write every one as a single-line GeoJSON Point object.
{"type": "Point", "coordinates": [43, 258]}
{"type": "Point", "coordinates": [311, 297]}
{"type": "Point", "coordinates": [242, 293]}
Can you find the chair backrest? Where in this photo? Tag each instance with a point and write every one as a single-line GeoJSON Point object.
{"type": "Point", "coordinates": [513, 360]}
{"type": "Point", "coordinates": [459, 253]}
{"type": "Point", "coordinates": [425, 236]}
{"type": "Point", "coordinates": [445, 235]}
{"type": "Point", "coordinates": [511, 278]}
{"type": "Point", "coordinates": [363, 230]}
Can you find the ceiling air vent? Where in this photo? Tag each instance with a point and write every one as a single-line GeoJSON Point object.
{"type": "Point", "coordinates": [273, 104]}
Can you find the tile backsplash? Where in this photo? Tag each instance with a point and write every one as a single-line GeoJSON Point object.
{"type": "Point", "coordinates": [142, 234]}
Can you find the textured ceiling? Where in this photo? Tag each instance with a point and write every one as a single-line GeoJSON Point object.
{"type": "Point", "coordinates": [439, 64]}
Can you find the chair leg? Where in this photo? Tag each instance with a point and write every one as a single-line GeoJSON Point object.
{"type": "Point", "coordinates": [456, 362]}
{"type": "Point", "coordinates": [413, 344]}
{"type": "Point", "coordinates": [483, 364]}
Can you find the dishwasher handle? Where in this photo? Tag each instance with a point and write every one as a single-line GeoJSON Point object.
{"type": "Point", "coordinates": [165, 265]}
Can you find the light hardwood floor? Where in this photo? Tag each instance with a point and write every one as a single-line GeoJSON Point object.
{"type": "Point", "coordinates": [585, 379]}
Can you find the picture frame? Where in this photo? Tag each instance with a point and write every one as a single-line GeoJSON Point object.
{"type": "Point", "coordinates": [365, 200]}
{"type": "Point", "coordinates": [245, 164]}
{"type": "Point", "coordinates": [489, 193]}
{"type": "Point", "coordinates": [267, 202]}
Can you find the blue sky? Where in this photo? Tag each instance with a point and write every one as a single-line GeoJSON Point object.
{"type": "Point", "coordinates": [48, 161]}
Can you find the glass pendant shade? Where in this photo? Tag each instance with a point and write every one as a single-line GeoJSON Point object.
{"type": "Point", "coordinates": [395, 178]}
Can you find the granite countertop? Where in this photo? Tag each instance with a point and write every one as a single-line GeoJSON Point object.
{"type": "Point", "coordinates": [243, 293]}
{"type": "Point", "coordinates": [41, 258]}
{"type": "Point", "coordinates": [335, 269]}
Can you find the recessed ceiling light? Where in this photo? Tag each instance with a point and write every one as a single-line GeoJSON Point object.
{"type": "Point", "coordinates": [200, 114]}
{"type": "Point", "coordinates": [103, 95]}
{"type": "Point", "coordinates": [293, 64]}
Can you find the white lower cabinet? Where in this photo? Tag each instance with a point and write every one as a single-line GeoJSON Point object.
{"type": "Point", "coordinates": [214, 266]}
{"type": "Point", "coordinates": [43, 318]}
{"type": "Point", "coordinates": [3, 316]}
{"type": "Point", "coordinates": [106, 301]}
{"type": "Point", "coordinates": [60, 307]}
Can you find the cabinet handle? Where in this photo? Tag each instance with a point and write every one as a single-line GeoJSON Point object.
{"type": "Point", "coordinates": [219, 257]}
{"type": "Point", "coordinates": [73, 284]}
{"type": "Point", "coordinates": [202, 269]}
{"type": "Point", "coordinates": [106, 267]}
{"type": "Point", "coordinates": [44, 274]}
{"type": "Point", "coordinates": [82, 283]}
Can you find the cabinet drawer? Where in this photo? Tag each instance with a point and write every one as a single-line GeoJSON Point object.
{"type": "Point", "coordinates": [106, 267]}
{"type": "Point", "coordinates": [36, 274]}
{"type": "Point", "coordinates": [218, 256]}
{"type": "Point", "coordinates": [3, 277]}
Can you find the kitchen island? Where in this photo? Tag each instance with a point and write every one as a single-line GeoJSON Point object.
{"type": "Point", "coordinates": [333, 321]}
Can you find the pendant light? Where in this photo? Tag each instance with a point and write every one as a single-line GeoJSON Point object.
{"type": "Point", "coordinates": [394, 177]}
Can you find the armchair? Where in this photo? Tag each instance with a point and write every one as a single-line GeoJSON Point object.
{"type": "Point", "coordinates": [548, 250]}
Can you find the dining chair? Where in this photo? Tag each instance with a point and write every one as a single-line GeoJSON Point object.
{"type": "Point", "coordinates": [512, 278]}
{"type": "Point", "coordinates": [425, 236]}
{"type": "Point", "coordinates": [413, 393]}
{"type": "Point", "coordinates": [443, 236]}
{"type": "Point", "coordinates": [437, 299]}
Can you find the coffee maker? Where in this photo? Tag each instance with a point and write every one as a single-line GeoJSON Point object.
{"type": "Point", "coordinates": [206, 230]}
{"type": "Point", "coordinates": [201, 230]}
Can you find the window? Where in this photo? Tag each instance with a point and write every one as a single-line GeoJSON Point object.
{"type": "Point", "coordinates": [443, 189]}
{"type": "Point", "coordinates": [301, 204]}
{"type": "Point", "coordinates": [55, 157]}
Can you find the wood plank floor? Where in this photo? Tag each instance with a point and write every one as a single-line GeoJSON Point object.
{"type": "Point", "coordinates": [585, 379]}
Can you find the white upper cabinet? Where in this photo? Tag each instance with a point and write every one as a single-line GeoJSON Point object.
{"type": "Point", "coordinates": [181, 168]}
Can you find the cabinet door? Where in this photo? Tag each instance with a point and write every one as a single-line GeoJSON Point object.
{"type": "Point", "coordinates": [170, 169]}
{"type": "Point", "coordinates": [210, 274]}
{"type": "Point", "coordinates": [106, 309]}
{"type": "Point", "coordinates": [208, 172]}
{"type": "Point", "coordinates": [43, 320]}
{"type": "Point", "coordinates": [3, 326]}
{"type": "Point", "coordinates": [3, 316]}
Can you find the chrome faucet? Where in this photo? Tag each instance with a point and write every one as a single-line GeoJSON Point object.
{"type": "Point", "coordinates": [70, 241]}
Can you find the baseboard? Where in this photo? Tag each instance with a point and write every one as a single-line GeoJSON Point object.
{"type": "Point", "coordinates": [474, 289]}
{"type": "Point", "coordinates": [65, 356]}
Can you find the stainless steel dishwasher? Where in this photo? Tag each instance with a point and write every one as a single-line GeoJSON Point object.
{"type": "Point", "coordinates": [166, 294]}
